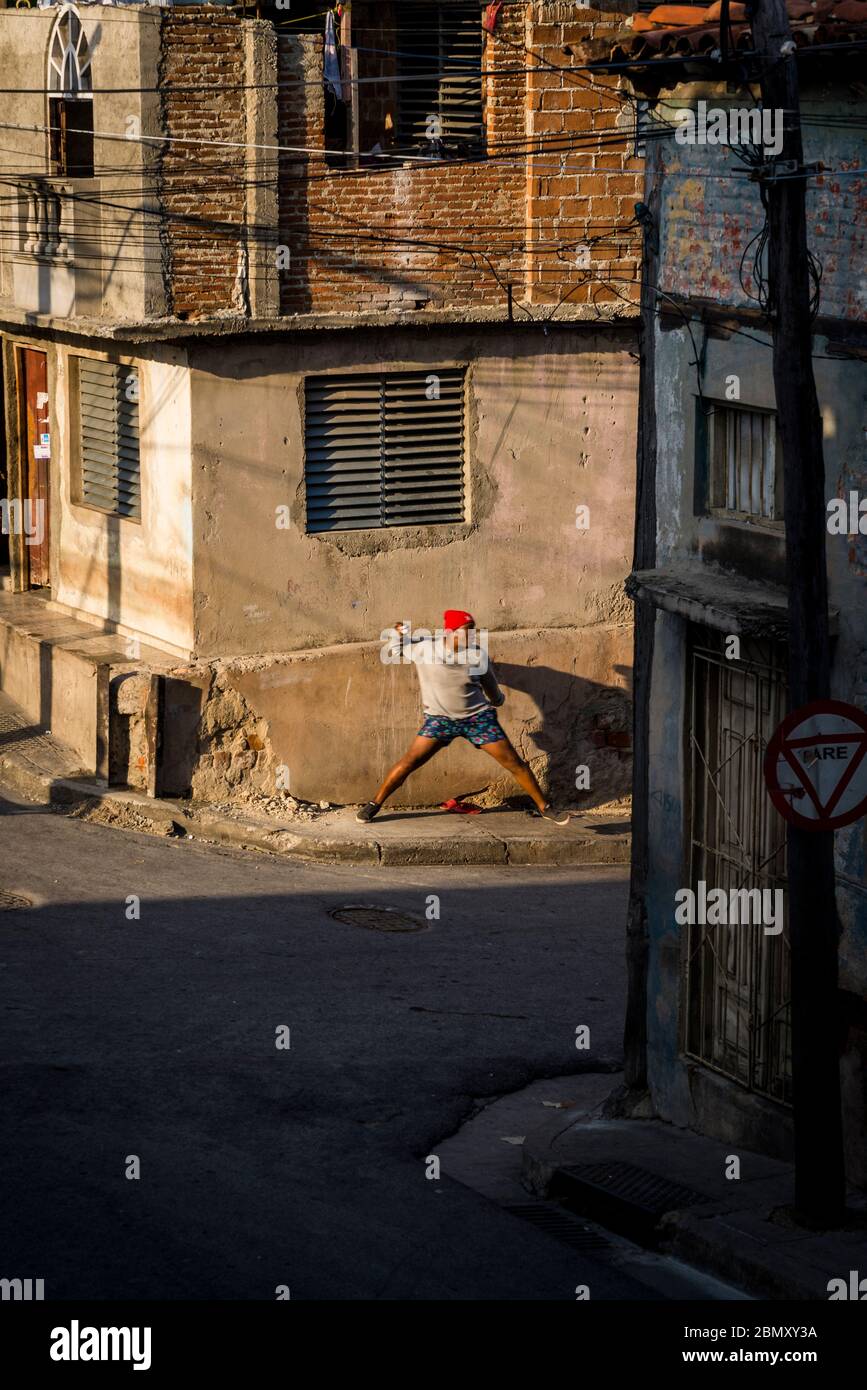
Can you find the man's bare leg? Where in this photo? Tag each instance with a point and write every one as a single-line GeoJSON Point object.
{"type": "Point", "coordinates": [420, 751]}
{"type": "Point", "coordinates": [505, 754]}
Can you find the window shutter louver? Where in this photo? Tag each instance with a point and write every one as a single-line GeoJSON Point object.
{"type": "Point", "coordinates": [381, 452]}
{"type": "Point", "coordinates": [109, 437]}
{"type": "Point", "coordinates": [440, 58]}
{"type": "Point", "coordinates": [743, 462]}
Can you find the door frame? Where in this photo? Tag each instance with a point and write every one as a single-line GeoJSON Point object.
{"type": "Point", "coordinates": [16, 415]}
{"type": "Point", "coordinates": [762, 983]}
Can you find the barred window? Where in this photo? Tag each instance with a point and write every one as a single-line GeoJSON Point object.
{"type": "Point", "coordinates": [384, 450]}
{"type": "Point", "coordinates": [108, 437]}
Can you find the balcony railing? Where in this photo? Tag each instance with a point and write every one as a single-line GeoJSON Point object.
{"type": "Point", "coordinates": [44, 234]}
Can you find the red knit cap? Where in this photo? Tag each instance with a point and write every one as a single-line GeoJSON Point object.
{"type": "Point", "coordinates": [453, 618]}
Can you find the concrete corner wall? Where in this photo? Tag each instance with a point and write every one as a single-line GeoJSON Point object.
{"type": "Point", "coordinates": [338, 717]}
{"type": "Point", "coordinates": [549, 426]}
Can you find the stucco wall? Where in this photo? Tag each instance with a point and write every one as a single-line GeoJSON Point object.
{"type": "Point", "coordinates": [683, 536]}
{"type": "Point", "coordinates": [550, 426]}
{"type": "Point", "coordinates": [290, 622]}
{"type": "Point", "coordinates": [114, 266]}
{"type": "Point", "coordinates": [723, 214]}
{"type": "Point", "coordinates": [336, 718]}
{"type": "Point", "coordinates": [138, 575]}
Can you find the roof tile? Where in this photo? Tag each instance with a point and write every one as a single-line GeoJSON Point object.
{"type": "Point", "coordinates": [685, 29]}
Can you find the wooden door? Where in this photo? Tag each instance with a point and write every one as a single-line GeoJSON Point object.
{"type": "Point", "coordinates": [36, 446]}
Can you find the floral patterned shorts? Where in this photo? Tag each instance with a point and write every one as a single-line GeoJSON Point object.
{"type": "Point", "coordinates": [479, 729]}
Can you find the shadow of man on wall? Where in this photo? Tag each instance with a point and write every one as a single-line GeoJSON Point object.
{"type": "Point", "coordinates": [576, 723]}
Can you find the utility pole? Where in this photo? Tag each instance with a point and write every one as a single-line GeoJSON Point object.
{"type": "Point", "coordinates": [643, 558]}
{"type": "Point", "coordinates": [820, 1193]}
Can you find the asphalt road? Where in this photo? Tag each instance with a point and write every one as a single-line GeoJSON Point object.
{"type": "Point", "coordinates": [305, 1167]}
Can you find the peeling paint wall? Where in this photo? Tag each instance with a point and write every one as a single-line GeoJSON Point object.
{"type": "Point", "coordinates": [707, 219]}
{"type": "Point", "coordinates": [710, 218]}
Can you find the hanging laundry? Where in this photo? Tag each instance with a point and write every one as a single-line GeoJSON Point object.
{"type": "Point", "coordinates": [489, 22]}
{"type": "Point", "coordinates": [333, 79]}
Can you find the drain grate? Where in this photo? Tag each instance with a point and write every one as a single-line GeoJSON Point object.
{"type": "Point", "coordinates": [8, 901]}
{"type": "Point", "coordinates": [375, 918]}
{"type": "Point", "coordinates": [553, 1221]}
{"type": "Point", "coordinates": [637, 1186]}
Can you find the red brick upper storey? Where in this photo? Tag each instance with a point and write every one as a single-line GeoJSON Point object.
{"type": "Point", "coordinates": [546, 206]}
{"type": "Point", "coordinates": [202, 182]}
{"type": "Point", "coordinates": [265, 176]}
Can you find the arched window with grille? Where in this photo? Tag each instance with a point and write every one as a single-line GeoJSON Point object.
{"type": "Point", "coordinates": [70, 98]}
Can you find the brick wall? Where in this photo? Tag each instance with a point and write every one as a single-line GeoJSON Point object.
{"type": "Point", "coordinates": [412, 235]}
{"type": "Point", "coordinates": [202, 187]}
{"type": "Point", "coordinates": [590, 198]}
{"type": "Point", "coordinates": [709, 216]}
{"type": "Point", "coordinates": [453, 235]}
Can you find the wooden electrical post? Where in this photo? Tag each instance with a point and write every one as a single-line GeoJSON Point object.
{"type": "Point", "coordinates": [644, 558]}
{"type": "Point", "coordinates": [350, 84]}
{"type": "Point", "coordinates": [819, 1172]}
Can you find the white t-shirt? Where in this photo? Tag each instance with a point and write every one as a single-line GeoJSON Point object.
{"type": "Point", "coordinates": [453, 688]}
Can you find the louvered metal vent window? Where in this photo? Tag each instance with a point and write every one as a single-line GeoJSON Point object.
{"type": "Point", "coordinates": [384, 450]}
{"type": "Point", "coordinates": [109, 437]}
{"type": "Point", "coordinates": [439, 64]}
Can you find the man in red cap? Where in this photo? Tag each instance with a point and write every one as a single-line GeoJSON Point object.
{"type": "Point", "coordinates": [459, 694]}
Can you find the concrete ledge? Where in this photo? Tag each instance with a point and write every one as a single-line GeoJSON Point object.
{"type": "Point", "coordinates": [721, 601]}
{"type": "Point", "coordinates": [52, 665]}
{"type": "Point", "coordinates": [447, 849]}
{"type": "Point", "coordinates": [173, 330]}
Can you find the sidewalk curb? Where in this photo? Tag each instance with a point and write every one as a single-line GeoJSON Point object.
{"type": "Point", "coordinates": [768, 1273]}
{"type": "Point", "coordinates": [539, 1167]}
{"type": "Point", "coordinates": [734, 1242]}
{"type": "Point", "coordinates": [90, 800]}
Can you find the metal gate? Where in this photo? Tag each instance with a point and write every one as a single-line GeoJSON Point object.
{"type": "Point", "coordinates": [737, 977]}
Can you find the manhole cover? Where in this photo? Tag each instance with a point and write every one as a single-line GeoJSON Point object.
{"type": "Point", "coordinates": [10, 900]}
{"type": "Point", "coordinates": [376, 918]}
